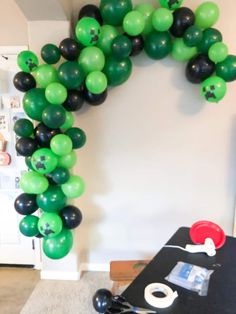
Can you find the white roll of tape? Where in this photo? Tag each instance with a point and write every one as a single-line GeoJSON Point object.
{"type": "Point", "coordinates": [160, 303]}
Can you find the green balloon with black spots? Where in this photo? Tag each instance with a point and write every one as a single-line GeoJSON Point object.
{"type": "Point", "coordinates": [213, 89]}
{"type": "Point", "coordinates": [44, 160]}
{"type": "Point", "coordinates": [52, 200]}
{"type": "Point", "coordinates": [171, 4]}
{"type": "Point", "coordinates": [27, 61]}
{"type": "Point", "coordinates": [87, 31]}
{"type": "Point", "coordinates": [50, 224]}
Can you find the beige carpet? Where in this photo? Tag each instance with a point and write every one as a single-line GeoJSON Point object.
{"type": "Point", "coordinates": [66, 297]}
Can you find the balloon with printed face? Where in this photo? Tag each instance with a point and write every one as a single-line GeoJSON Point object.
{"type": "Point", "coordinates": [25, 204]}
{"type": "Point", "coordinates": [50, 224]}
{"type": "Point", "coordinates": [88, 31]}
{"type": "Point", "coordinates": [171, 4]}
{"type": "Point", "coordinates": [50, 54]}
{"type": "Point", "coordinates": [213, 89]}
{"type": "Point", "coordinates": [33, 182]}
{"type": "Point", "coordinates": [113, 12]}
{"type": "Point", "coordinates": [207, 14]}
{"type": "Point", "coordinates": [107, 35]}
{"type": "Point", "coordinates": [61, 144]}
{"type": "Point", "coordinates": [24, 81]}
{"type": "Point", "coordinates": [54, 116]}
{"type": "Point", "coordinates": [45, 74]}
{"type": "Point", "coordinates": [74, 187]}
{"type": "Point", "coordinates": [23, 127]}
{"type": "Point", "coordinates": [29, 226]}
{"type": "Point", "coordinates": [34, 102]}
{"type": "Point", "coordinates": [27, 61]}
{"type": "Point", "coordinates": [44, 160]}
{"type": "Point", "coordinates": [71, 74]}
{"type": "Point", "coordinates": [69, 49]}
{"type": "Point", "coordinates": [52, 200]}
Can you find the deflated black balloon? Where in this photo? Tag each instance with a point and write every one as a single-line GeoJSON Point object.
{"type": "Point", "coordinates": [137, 44]}
{"type": "Point", "coordinates": [44, 134]}
{"type": "Point", "coordinates": [69, 49]}
{"type": "Point", "coordinates": [199, 69]}
{"type": "Point", "coordinates": [26, 146]}
{"type": "Point", "coordinates": [183, 19]}
{"type": "Point", "coordinates": [25, 204]}
{"type": "Point", "coordinates": [91, 10]}
{"type": "Point", "coordinates": [102, 300]}
{"type": "Point", "coordinates": [74, 100]}
{"type": "Point", "coordinates": [24, 81]}
{"type": "Point", "coordinates": [71, 217]}
{"type": "Point", "coordinates": [94, 99]}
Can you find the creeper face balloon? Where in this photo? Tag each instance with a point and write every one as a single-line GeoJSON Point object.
{"type": "Point", "coordinates": [44, 161]}
{"type": "Point", "coordinates": [213, 89]}
{"type": "Point", "coordinates": [171, 4]}
{"type": "Point", "coordinates": [88, 31]}
{"type": "Point", "coordinates": [27, 61]}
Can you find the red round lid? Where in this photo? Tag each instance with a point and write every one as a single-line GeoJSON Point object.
{"type": "Point", "coordinates": [202, 230]}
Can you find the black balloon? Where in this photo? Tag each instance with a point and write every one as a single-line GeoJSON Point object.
{"type": "Point", "coordinates": [69, 49]}
{"type": "Point", "coordinates": [102, 300]}
{"type": "Point", "coordinates": [94, 99]}
{"type": "Point", "coordinates": [25, 204]}
{"type": "Point", "coordinates": [74, 100]}
{"type": "Point", "coordinates": [71, 217]}
{"type": "Point", "coordinates": [137, 44]}
{"type": "Point", "coordinates": [183, 19]}
{"type": "Point", "coordinates": [91, 10]}
{"type": "Point", "coordinates": [44, 134]}
{"type": "Point", "coordinates": [24, 81]}
{"type": "Point", "coordinates": [26, 146]}
{"type": "Point", "coordinates": [199, 69]}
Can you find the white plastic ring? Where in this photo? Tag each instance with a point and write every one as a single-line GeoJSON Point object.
{"type": "Point", "coordinates": [160, 303]}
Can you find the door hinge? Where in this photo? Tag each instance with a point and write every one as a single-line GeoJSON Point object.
{"type": "Point", "coordinates": [33, 245]}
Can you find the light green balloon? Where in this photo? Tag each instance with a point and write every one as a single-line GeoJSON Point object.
{"type": "Point", "coordinates": [92, 59]}
{"type": "Point", "coordinates": [162, 20]}
{"type": "Point", "coordinates": [69, 121]}
{"type": "Point", "coordinates": [33, 183]}
{"type": "Point", "coordinates": [45, 74]}
{"type": "Point", "coordinates": [74, 187]}
{"type": "Point", "coordinates": [56, 93]}
{"type": "Point", "coordinates": [50, 224]}
{"type": "Point", "coordinates": [213, 89]}
{"type": "Point", "coordinates": [207, 14]}
{"type": "Point", "coordinates": [134, 23]}
{"type": "Point", "coordinates": [108, 33]}
{"type": "Point", "coordinates": [147, 10]}
{"type": "Point", "coordinates": [87, 31]}
{"type": "Point", "coordinates": [61, 144]}
{"type": "Point", "coordinates": [67, 161]}
{"type": "Point", "coordinates": [218, 52]}
{"type": "Point", "coordinates": [96, 82]}
{"type": "Point", "coordinates": [181, 52]}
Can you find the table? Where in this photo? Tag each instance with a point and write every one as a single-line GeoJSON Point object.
{"type": "Point", "coordinates": [221, 298]}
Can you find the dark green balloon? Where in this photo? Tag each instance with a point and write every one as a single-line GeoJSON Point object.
{"type": "Point", "coordinates": [158, 45]}
{"type": "Point", "coordinates": [28, 162]}
{"type": "Point", "coordinates": [117, 71]}
{"type": "Point", "coordinates": [29, 226]}
{"type": "Point", "coordinates": [34, 102]}
{"type": "Point", "coordinates": [121, 47]}
{"type": "Point", "coordinates": [71, 74]}
{"type": "Point", "coordinates": [193, 36]}
{"type": "Point", "coordinates": [23, 128]}
{"type": "Point", "coordinates": [227, 69]}
{"type": "Point", "coordinates": [52, 200]}
{"type": "Point", "coordinates": [54, 116]}
{"type": "Point", "coordinates": [50, 54]}
{"type": "Point", "coordinates": [113, 12]}
{"type": "Point", "coordinates": [60, 175]}
{"type": "Point", "coordinates": [77, 136]}
{"type": "Point", "coordinates": [210, 37]}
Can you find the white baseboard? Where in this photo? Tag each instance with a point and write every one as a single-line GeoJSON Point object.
{"type": "Point", "coordinates": [94, 267]}
{"type": "Point", "coordinates": [59, 275]}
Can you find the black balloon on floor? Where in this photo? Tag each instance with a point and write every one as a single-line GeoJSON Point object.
{"type": "Point", "coordinates": [183, 19]}
{"type": "Point", "coordinates": [24, 81]}
{"type": "Point", "coordinates": [74, 100]}
{"type": "Point", "coordinates": [199, 69]}
{"type": "Point", "coordinates": [91, 10]}
{"type": "Point", "coordinates": [26, 146]}
{"type": "Point", "coordinates": [25, 204]}
{"type": "Point", "coordinates": [69, 49]}
{"type": "Point", "coordinates": [44, 134]}
{"type": "Point", "coordinates": [71, 217]}
{"type": "Point", "coordinates": [102, 300]}
{"type": "Point", "coordinates": [137, 44]}
{"type": "Point", "coordinates": [94, 99]}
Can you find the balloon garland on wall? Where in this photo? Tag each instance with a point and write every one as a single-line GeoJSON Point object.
{"type": "Point", "coordinates": [99, 57]}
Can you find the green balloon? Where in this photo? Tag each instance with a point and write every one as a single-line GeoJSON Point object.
{"type": "Point", "coordinates": [134, 23]}
{"type": "Point", "coordinates": [227, 69]}
{"type": "Point", "coordinates": [60, 175]}
{"type": "Point", "coordinates": [193, 36]}
{"type": "Point", "coordinates": [61, 144]}
{"type": "Point", "coordinates": [67, 161]}
{"type": "Point", "coordinates": [50, 225]}
{"type": "Point", "coordinates": [23, 128]}
{"type": "Point", "coordinates": [172, 5]}
{"type": "Point", "coordinates": [29, 226]}
{"type": "Point", "coordinates": [45, 74]}
{"type": "Point", "coordinates": [58, 246]}
{"type": "Point", "coordinates": [52, 200]}
{"type": "Point", "coordinates": [69, 121]}
{"type": "Point", "coordinates": [54, 116]}
{"type": "Point", "coordinates": [117, 71]}
{"type": "Point", "coordinates": [210, 37]}
{"type": "Point", "coordinates": [96, 82]}
{"type": "Point", "coordinates": [74, 187]}
{"type": "Point", "coordinates": [87, 31]}
{"type": "Point", "coordinates": [158, 45]}
{"type": "Point", "coordinates": [44, 160]}
{"type": "Point", "coordinates": [50, 54]}
{"type": "Point", "coordinates": [113, 12]}
{"type": "Point", "coordinates": [162, 20]}
{"type": "Point", "coordinates": [77, 136]}
{"type": "Point", "coordinates": [71, 74]}
{"type": "Point", "coordinates": [28, 162]}
{"type": "Point", "coordinates": [33, 183]}
{"type": "Point", "coordinates": [218, 52]}
{"type": "Point", "coordinates": [121, 47]}
{"type": "Point", "coordinates": [207, 14]}
{"type": "Point", "coordinates": [91, 59]}
{"type": "Point", "coordinates": [56, 93]}
{"type": "Point", "coordinates": [147, 10]}
{"type": "Point", "coordinates": [181, 52]}
{"type": "Point", "coordinates": [213, 89]}
{"type": "Point", "coordinates": [27, 61]}
{"type": "Point", "coordinates": [34, 102]}
{"type": "Point", "coordinates": [107, 35]}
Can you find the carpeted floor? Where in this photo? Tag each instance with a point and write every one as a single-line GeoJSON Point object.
{"type": "Point", "coordinates": [66, 297]}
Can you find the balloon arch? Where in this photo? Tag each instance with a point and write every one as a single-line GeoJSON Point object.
{"type": "Point", "coordinates": [98, 57]}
